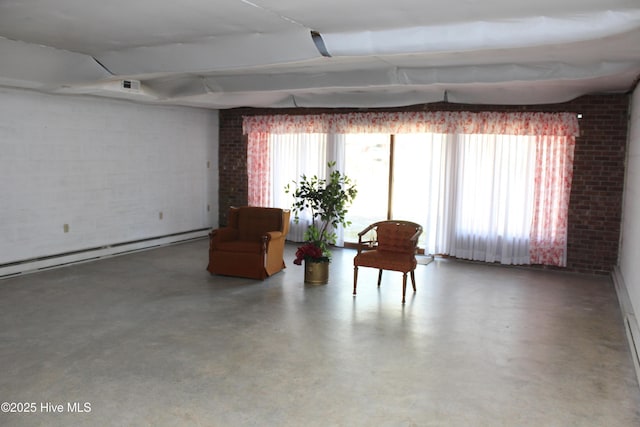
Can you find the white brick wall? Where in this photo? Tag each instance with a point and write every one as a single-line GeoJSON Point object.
{"type": "Point", "coordinates": [107, 168]}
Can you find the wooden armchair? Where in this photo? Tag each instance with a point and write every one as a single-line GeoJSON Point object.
{"type": "Point", "coordinates": [251, 245]}
{"type": "Point", "coordinates": [393, 247]}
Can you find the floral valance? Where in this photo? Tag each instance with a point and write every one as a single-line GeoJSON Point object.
{"type": "Point", "coordinates": [500, 123]}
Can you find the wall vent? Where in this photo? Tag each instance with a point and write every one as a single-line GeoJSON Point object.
{"type": "Point", "coordinates": [130, 85]}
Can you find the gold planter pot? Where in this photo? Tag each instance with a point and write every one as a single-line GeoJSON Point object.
{"type": "Point", "coordinates": [316, 273]}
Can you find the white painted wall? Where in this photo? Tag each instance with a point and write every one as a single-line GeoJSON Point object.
{"type": "Point", "coordinates": [630, 242]}
{"type": "Point", "coordinates": [105, 167]}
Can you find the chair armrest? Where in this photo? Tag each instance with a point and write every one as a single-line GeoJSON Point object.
{"type": "Point", "coordinates": [366, 245]}
{"type": "Point", "coordinates": [414, 240]}
{"type": "Point", "coordinates": [270, 236]}
{"type": "Point", "coordinates": [366, 230]}
{"type": "Point", "coordinates": [273, 235]}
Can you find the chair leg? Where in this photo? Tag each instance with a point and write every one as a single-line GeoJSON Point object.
{"type": "Point", "coordinates": [355, 278]}
{"type": "Point", "coordinates": [379, 277]}
{"type": "Point", "coordinates": [404, 286]}
{"type": "Point", "coordinates": [413, 280]}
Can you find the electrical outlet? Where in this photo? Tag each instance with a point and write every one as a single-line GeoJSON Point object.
{"type": "Point", "coordinates": [160, 215]}
{"type": "Point", "coordinates": [65, 228]}
{"type": "Point", "coordinates": [208, 208]}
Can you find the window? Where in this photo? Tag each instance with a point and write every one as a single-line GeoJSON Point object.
{"type": "Point", "coordinates": [485, 186]}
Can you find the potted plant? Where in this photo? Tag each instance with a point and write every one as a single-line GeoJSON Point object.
{"type": "Point", "coordinates": [327, 200]}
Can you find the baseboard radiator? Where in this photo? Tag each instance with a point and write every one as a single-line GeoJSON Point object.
{"type": "Point", "coordinates": [630, 320]}
{"type": "Point", "coordinates": [90, 254]}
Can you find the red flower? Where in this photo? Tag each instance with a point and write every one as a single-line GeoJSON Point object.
{"type": "Point", "coordinates": [307, 251]}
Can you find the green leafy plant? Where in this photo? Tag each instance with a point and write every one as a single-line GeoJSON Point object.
{"type": "Point", "coordinates": [328, 201]}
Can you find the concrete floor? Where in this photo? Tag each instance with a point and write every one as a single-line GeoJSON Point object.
{"type": "Point", "coordinates": [152, 339]}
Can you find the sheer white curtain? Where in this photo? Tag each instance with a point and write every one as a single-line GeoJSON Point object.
{"type": "Point", "coordinates": [293, 155]}
{"type": "Point", "coordinates": [480, 191]}
{"type": "Point", "coordinates": [490, 208]}
{"type": "Point", "coordinates": [436, 186]}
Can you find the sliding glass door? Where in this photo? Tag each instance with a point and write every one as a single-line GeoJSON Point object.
{"type": "Point", "coordinates": [391, 172]}
{"type": "Point", "coordinates": [367, 158]}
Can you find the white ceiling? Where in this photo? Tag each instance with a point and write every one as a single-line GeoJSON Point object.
{"type": "Point", "coordinates": [260, 53]}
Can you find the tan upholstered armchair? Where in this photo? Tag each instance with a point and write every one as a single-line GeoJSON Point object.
{"type": "Point", "coordinates": [392, 247]}
{"type": "Point", "coordinates": [251, 245]}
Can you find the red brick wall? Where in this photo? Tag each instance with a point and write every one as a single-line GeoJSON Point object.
{"type": "Point", "coordinates": [596, 195]}
{"type": "Point", "coordinates": [232, 163]}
